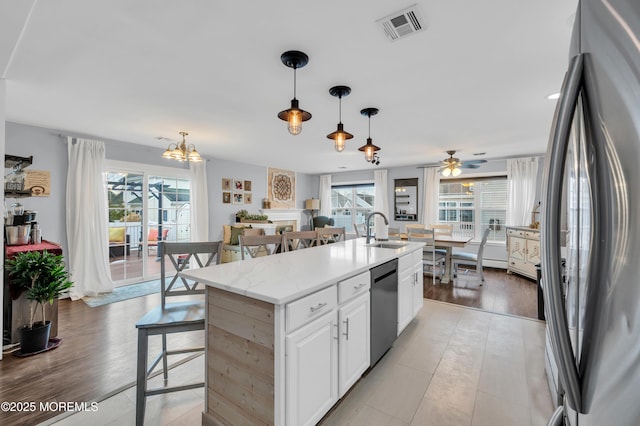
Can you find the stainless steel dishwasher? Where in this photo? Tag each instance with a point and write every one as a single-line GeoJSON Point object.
{"type": "Point", "coordinates": [384, 308]}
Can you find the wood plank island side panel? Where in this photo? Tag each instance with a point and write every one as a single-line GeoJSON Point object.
{"type": "Point", "coordinates": [234, 320]}
{"type": "Point", "coordinates": [240, 360]}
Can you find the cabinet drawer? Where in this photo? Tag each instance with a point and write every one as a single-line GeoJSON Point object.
{"type": "Point", "coordinates": [354, 286]}
{"type": "Point", "coordinates": [310, 307]}
{"type": "Point", "coordinates": [516, 233]}
{"type": "Point", "coordinates": [532, 235]}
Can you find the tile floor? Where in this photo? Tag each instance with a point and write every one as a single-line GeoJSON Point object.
{"type": "Point", "coordinates": [451, 366]}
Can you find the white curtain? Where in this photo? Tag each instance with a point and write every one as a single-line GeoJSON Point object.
{"type": "Point", "coordinates": [430, 195]}
{"type": "Point", "coordinates": [199, 202]}
{"type": "Point", "coordinates": [381, 203]}
{"type": "Point", "coordinates": [522, 174]}
{"type": "Point", "coordinates": [325, 195]}
{"type": "Point", "coordinates": [87, 219]}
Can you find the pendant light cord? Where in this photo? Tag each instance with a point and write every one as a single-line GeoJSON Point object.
{"type": "Point", "coordinates": [294, 82]}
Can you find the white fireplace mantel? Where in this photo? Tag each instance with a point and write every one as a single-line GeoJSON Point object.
{"type": "Point", "coordinates": [279, 215]}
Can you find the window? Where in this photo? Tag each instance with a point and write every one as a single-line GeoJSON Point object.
{"type": "Point", "coordinates": [473, 205]}
{"type": "Point", "coordinates": [350, 204]}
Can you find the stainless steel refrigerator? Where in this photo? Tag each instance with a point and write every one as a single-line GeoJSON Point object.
{"type": "Point", "coordinates": [591, 211]}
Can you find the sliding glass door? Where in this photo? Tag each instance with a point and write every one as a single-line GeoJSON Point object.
{"type": "Point", "coordinates": [145, 207]}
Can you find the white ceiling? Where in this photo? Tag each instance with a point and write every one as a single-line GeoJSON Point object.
{"type": "Point", "coordinates": [474, 81]}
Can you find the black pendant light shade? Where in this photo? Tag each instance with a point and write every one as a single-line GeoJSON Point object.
{"type": "Point", "coordinates": [340, 136]}
{"type": "Point", "coordinates": [369, 148]}
{"type": "Point", "coordinates": [294, 116]}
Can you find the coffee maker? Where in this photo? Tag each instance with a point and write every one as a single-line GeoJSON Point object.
{"type": "Point", "coordinates": [20, 224]}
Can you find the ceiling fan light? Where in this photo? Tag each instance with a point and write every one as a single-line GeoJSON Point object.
{"type": "Point", "coordinates": [456, 171]}
{"type": "Point", "coordinates": [446, 172]}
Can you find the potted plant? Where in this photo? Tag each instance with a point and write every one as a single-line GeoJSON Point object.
{"type": "Point", "coordinates": [42, 275]}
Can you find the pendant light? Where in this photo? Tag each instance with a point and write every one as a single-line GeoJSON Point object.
{"type": "Point", "coordinates": [369, 148]}
{"type": "Point", "coordinates": [340, 136]}
{"type": "Point", "coordinates": [182, 152]}
{"type": "Point", "coordinates": [294, 116]}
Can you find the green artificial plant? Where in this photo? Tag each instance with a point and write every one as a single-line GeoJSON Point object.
{"type": "Point", "coordinates": [42, 275]}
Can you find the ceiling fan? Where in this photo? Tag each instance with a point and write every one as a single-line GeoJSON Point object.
{"type": "Point", "coordinates": [452, 166]}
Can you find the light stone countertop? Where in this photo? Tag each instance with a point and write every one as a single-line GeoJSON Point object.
{"type": "Point", "coordinates": [284, 277]}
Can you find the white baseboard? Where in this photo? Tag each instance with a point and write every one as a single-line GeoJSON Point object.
{"type": "Point", "coordinates": [494, 263]}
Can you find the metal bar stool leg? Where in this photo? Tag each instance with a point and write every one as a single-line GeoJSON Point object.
{"type": "Point", "coordinates": [141, 379]}
{"type": "Point", "coordinates": [165, 372]}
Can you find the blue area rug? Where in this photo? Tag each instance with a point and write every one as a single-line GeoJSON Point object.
{"type": "Point", "coordinates": [123, 293]}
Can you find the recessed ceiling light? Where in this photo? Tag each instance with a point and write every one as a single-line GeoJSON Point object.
{"type": "Point", "coordinates": [553, 96]}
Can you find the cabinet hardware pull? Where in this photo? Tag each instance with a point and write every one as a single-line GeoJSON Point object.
{"type": "Point", "coordinates": [359, 286]}
{"type": "Point", "coordinates": [347, 331]}
{"type": "Point", "coordinates": [320, 306]}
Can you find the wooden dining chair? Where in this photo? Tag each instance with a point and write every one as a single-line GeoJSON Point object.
{"type": "Point", "coordinates": [330, 235]}
{"type": "Point", "coordinates": [430, 256]}
{"type": "Point", "coordinates": [260, 245]}
{"type": "Point", "coordinates": [394, 233]}
{"type": "Point", "coordinates": [299, 240]}
{"type": "Point", "coordinates": [442, 229]}
{"type": "Point", "coordinates": [172, 317]}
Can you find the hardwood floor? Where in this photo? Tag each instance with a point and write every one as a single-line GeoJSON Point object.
{"type": "Point", "coordinates": [98, 354]}
{"type": "Point", "coordinates": [97, 357]}
{"type": "Point", "coordinates": [501, 293]}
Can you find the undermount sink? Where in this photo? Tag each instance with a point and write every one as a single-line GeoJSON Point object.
{"type": "Point", "coordinates": [387, 245]}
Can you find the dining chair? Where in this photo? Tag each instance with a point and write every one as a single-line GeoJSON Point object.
{"type": "Point", "coordinates": [260, 245]}
{"type": "Point", "coordinates": [299, 240]}
{"type": "Point", "coordinates": [172, 317]}
{"type": "Point", "coordinates": [430, 256]}
{"type": "Point", "coordinates": [472, 259]}
{"type": "Point", "coordinates": [394, 233]}
{"type": "Point", "coordinates": [330, 235]}
{"type": "Point", "coordinates": [442, 229]}
{"type": "Point", "coordinates": [410, 226]}
{"type": "Point", "coordinates": [361, 229]}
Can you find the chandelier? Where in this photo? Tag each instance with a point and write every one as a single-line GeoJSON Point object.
{"type": "Point", "coordinates": [182, 152]}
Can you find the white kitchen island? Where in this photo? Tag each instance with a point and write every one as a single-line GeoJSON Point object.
{"type": "Point", "coordinates": [287, 335]}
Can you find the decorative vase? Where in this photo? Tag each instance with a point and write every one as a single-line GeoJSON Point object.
{"type": "Point", "coordinates": [35, 339]}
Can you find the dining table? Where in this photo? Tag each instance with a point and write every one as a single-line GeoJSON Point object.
{"type": "Point", "coordinates": [447, 242]}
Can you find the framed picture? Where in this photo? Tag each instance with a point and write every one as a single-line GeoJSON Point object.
{"type": "Point", "coordinates": [238, 198]}
{"type": "Point", "coordinates": [281, 188]}
{"type": "Point", "coordinates": [238, 185]}
{"type": "Point", "coordinates": [226, 198]}
{"type": "Point", "coordinates": [247, 185]}
{"type": "Point", "coordinates": [247, 198]}
{"type": "Point", "coordinates": [226, 184]}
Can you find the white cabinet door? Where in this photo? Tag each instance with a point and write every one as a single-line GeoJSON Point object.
{"type": "Point", "coordinates": [418, 292]}
{"type": "Point", "coordinates": [312, 370]}
{"type": "Point", "coordinates": [354, 348]}
{"type": "Point", "coordinates": [405, 298]}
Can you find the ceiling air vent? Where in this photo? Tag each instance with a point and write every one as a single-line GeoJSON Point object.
{"type": "Point", "coordinates": [403, 23]}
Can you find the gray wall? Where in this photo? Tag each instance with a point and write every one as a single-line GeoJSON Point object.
{"type": "Point", "coordinates": [49, 150]}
